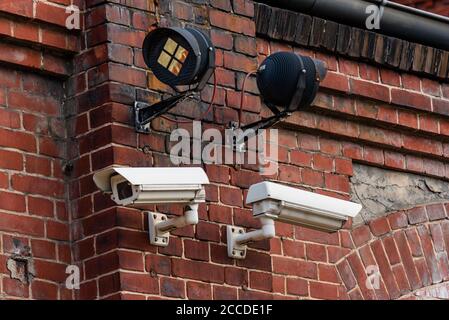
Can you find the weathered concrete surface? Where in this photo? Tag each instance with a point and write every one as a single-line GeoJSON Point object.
{"type": "Point", "coordinates": [382, 191]}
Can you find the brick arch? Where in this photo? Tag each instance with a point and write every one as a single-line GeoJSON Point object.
{"type": "Point", "coordinates": [410, 249]}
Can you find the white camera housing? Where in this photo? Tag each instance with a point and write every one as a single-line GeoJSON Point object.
{"type": "Point", "coordinates": [276, 202]}
{"type": "Point", "coordinates": [139, 187]}
{"type": "Point", "coordinates": [298, 207]}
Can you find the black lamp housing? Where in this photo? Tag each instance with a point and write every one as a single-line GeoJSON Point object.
{"type": "Point", "coordinates": [287, 82]}
{"type": "Point", "coordinates": [177, 57]}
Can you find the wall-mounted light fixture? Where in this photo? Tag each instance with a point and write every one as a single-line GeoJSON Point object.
{"type": "Point", "coordinates": [287, 82]}
{"type": "Point", "coordinates": [275, 202]}
{"type": "Point", "coordinates": [177, 57]}
{"type": "Point", "coordinates": [140, 187]}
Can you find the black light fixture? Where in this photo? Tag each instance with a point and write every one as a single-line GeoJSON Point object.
{"type": "Point", "coordinates": [287, 82]}
{"type": "Point", "coordinates": [177, 57]}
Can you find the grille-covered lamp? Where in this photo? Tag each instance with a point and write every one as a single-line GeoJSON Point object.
{"type": "Point", "coordinates": [177, 57]}
{"type": "Point", "coordinates": [287, 82]}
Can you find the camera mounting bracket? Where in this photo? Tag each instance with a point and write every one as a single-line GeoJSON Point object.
{"type": "Point", "coordinates": [160, 226]}
{"type": "Point", "coordinates": [238, 239]}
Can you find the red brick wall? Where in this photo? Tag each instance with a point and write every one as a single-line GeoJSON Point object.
{"type": "Point", "coordinates": [364, 113]}
{"type": "Point", "coordinates": [35, 58]}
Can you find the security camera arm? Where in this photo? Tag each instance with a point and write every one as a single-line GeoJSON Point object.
{"type": "Point", "coordinates": [160, 226]}
{"type": "Point", "coordinates": [238, 239]}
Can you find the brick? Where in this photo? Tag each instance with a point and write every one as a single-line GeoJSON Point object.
{"type": "Point", "coordinates": [423, 271]}
{"type": "Point", "coordinates": [337, 182]}
{"type": "Point", "coordinates": [173, 288]}
{"type": "Point", "coordinates": [407, 260]}
{"type": "Point", "coordinates": [328, 273]}
{"type": "Point", "coordinates": [437, 237]}
{"type": "Point", "coordinates": [131, 260]}
{"type": "Point", "coordinates": [231, 196]}
{"type": "Point", "coordinates": [301, 158]}
{"type": "Point", "coordinates": [346, 275]}
{"type": "Point", "coordinates": [39, 165]}
{"type": "Point", "coordinates": [20, 55]}
{"type": "Point", "coordinates": [411, 82]}
{"type": "Point", "coordinates": [174, 247]}
{"type": "Point", "coordinates": [232, 23]}
{"type": "Point", "coordinates": [316, 252]}
{"type": "Point", "coordinates": [197, 270]}
{"type": "Point", "coordinates": [135, 282]}
{"type": "Point", "coordinates": [390, 77]}
{"type": "Point", "coordinates": [218, 213]}
{"type": "Point", "coordinates": [410, 99]}
{"type": "Point", "coordinates": [109, 284]}
{"type": "Point", "coordinates": [158, 264]}
{"type": "Point", "coordinates": [379, 226]}
{"type": "Point", "coordinates": [324, 291]}
{"type": "Point", "coordinates": [391, 250]}
{"type": "Point", "coordinates": [322, 163]}
{"type": "Point", "coordinates": [289, 174]}
{"type": "Point", "coordinates": [43, 249]}
{"type": "Point", "coordinates": [208, 231]}
{"type": "Point", "coordinates": [343, 166]}
{"type": "Point", "coordinates": [298, 268]}
{"type": "Point", "coordinates": [243, 7]}
{"type": "Point", "coordinates": [394, 160]}
{"type": "Point", "coordinates": [196, 250]}
{"type": "Point", "coordinates": [414, 163]}
{"type": "Point", "coordinates": [261, 281]}
{"type": "Point", "coordinates": [429, 254]}
{"type": "Point", "coordinates": [26, 31]}
{"type": "Point", "coordinates": [417, 215]}
{"type": "Point", "coordinates": [12, 201]}
{"type": "Point", "coordinates": [431, 87]}
{"type": "Point", "coordinates": [244, 178]}
{"type": "Point", "coordinates": [336, 82]}
{"type": "Point", "coordinates": [199, 291]}
{"type": "Point", "coordinates": [361, 235]}
{"type": "Point", "coordinates": [239, 62]}
{"type": "Point", "coordinates": [50, 13]}
{"type": "Point", "coordinates": [370, 90]}
{"type": "Point", "coordinates": [435, 212]}
{"type": "Point", "coordinates": [225, 293]}
{"type": "Point", "coordinates": [298, 287]}
{"type": "Point", "coordinates": [8, 118]}
{"type": "Point", "coordinates": [41, 290]}
{"type": "Point", "coordinates": [385, 269]}
{"type": "Point", "coordinates": [245, 45]}
{"type": "Point", "coordinates": [236, 276]}
{"type": "Point", "coordinates": [51, 271]}
{"type": "Point", "coordinates": [401, 279]}
{"type": "Point", "coordinates": [21, 224]}
{"type": "Point", "coordinates": [293, 249]}
{"type": "Point", "coordinates": [414, 243]}
{"type": "Point", "coordinates": [428, 123]}
{"type": "Point", "coordinates": [256, 260]}
{"type": "Point", "coordinates": [312, 177]}
{"type": "Point", "coordinates": [16, 139]}
{"type": "Point", "coordinates": [15, 288]}
{"type": "Point", "coordinates": [361, 275]}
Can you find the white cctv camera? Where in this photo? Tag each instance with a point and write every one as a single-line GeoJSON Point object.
{"type": "Point", "coordinates": [275, 202]}
{"type": "Point", "coordinates": [138, 187]}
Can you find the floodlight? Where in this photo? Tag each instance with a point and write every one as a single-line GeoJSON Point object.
{"type": "Point", "coordinates": [177, 57]}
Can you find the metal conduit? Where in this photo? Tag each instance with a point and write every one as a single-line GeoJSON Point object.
{"type": "Point", "coordinates": [397, 20]}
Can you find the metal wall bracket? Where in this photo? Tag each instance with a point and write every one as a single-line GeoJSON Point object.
{"type": "Point", "coordinates": [235, 250]}
{"type": "Point", "coordinates": [157, 237]}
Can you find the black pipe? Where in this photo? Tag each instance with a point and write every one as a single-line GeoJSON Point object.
{"type": "Point", "coordinates": [397, 21]}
